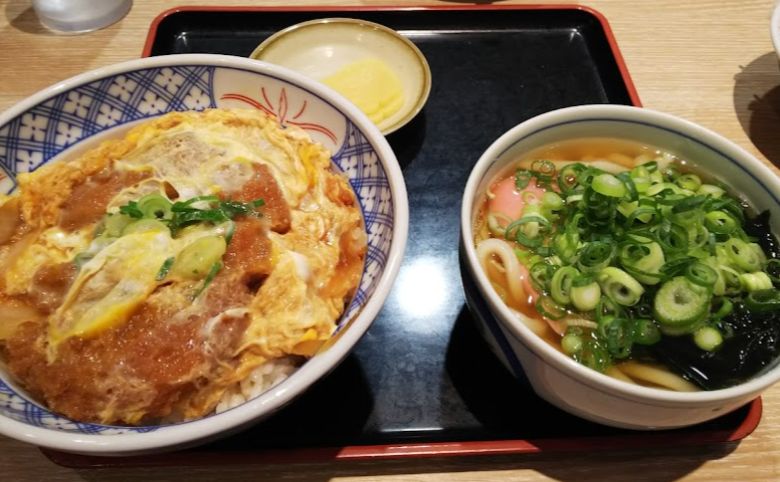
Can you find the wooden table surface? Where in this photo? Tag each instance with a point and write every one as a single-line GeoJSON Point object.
{"type": "Point", "coordinates": [710, 61]}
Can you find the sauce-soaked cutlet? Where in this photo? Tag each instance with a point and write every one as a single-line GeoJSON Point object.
{"type": "Point", "coordinates": [162, 361]}
{"type": "Point", "coordinates": [149, 365]}
{"type": "Point", "coordinates": [249, 251]}
{"type": "Point", "coordinates": [262, 185]}
{"type": "Point", "coordinates": [88, 201]}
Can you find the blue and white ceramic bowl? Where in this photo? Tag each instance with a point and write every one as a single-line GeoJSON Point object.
{"type": "Point", "coordinates": [554, 376]}
{"type": "Point", "coordinates": [78, 112]}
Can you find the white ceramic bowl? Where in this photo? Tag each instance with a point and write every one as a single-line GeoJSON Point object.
{"type": "Point", "coordinates": [555, 377]}
{"type": "Point", "coordinates": [82, 110]}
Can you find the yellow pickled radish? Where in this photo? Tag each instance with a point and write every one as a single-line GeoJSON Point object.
{"type": "Point", "coordinates": [371, 85]}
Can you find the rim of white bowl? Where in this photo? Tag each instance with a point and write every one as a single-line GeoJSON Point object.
{"type": "Point", "coordinates": [315, 368]}
{"type": "Point", "coordinates": [521, 331]}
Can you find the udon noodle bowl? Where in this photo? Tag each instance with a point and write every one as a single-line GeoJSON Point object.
{"type": "Point", "coordinates": [182, 268]}
{"type": "Point", "coordinates": [634, 263]}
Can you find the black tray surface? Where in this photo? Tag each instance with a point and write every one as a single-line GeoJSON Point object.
{"type": "Point", "coordinates": [422, 372]}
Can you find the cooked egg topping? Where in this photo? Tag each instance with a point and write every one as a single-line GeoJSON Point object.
{"type": "Point", "coordinates": [146, 278]}
{"type": "Point", "coordinates": [110, 286]}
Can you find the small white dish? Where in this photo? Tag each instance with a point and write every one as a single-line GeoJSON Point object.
{"type": "Point", "coordinates": [321, 48]}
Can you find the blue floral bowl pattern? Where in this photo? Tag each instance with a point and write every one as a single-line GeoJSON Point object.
{"type": "Point", "coordinates": [109, 101]}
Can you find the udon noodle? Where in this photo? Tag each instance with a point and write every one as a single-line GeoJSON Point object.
{"type": "Point", "coordinates": [632, 262]}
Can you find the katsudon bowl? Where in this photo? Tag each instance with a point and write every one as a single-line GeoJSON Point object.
{"type": "Point", "coordinates": [77, 114]}
{"type": "Point", "coordinates": [523, 340]}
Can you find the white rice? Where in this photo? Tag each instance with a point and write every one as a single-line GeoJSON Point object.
{"type": "Point", "coordinates": [259, 380]}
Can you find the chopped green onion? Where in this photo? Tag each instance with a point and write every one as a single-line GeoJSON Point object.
{"type": "Point", "coordinates": [143, 226]}
{"type": "Point", "coordinates": [585, 298]}
{"type": "Point", "coordinates": [528, 230]}
{"type": "Point", "coordinates": [631, 190]}
{"type": "Point", "coordinates": [561, 284]}
{"type": "Point", "coordinates": [547, 307]}
{"type": "Point", "coordinates": [594, 355]}
{"type": "Point", "coordinates": [728, 204]}
{"type": "Point", "coordinates": [639, 172]}
{"type": "Point", "coordinates": [641, 184]}
{"type": "Point", "coordinates": [689, 203]}
{"type": "Point", "coordinates": [230, 230]}
{"type": "Point", "coordinates": [608, 185]}
{"type": "Point", "coordinates": [650, 166]}
{"type": "Point", "coordinates": [565, 245]}
{"type": "Point", "coordinates": [82, 258]}
{"type": "Point", "coordinates": [568, 177]}
{"type": "Point", "coordinates": [676, 266]}
{"type": "Point", "coordinates": [541, 275]}
{"type": "Point", "coordinates": [711, 190]}
{"type": "Point", "coordinates": [131, 209]}
{"type": "Point", "coordinates": [620, 286]}
{"type": "Point", "coordinates": [544, 171]}
{"type": "Point", "coordinates": [672, 237]}
{"type": "Point", "coordinates": [691, 182]}
{"type": "Point", "coordinates": [551, 201]}
{"type": "Point", "coordinates": [209, 278]}
{"type": "Point", "coordinates": [698, 236]}
{"type": "Point", "coordinates": [755, 281]}
{"type": "Point", "coordinates": [522, 179]}
{"type": "Point", "coordinates": [627, 207]}
{"type": "Point", "coordinates": [701, 274]}
{"type": "Point", "coordinates": [721, 307]}
{"type": "Point", "coordinates": [732, 283]}
{"type": "Point", "coordinates": [571, 343]}
{"type": "Point", "coordinates": [663, 188]}
{"type": "Point", "coordinates": [656, 177]}
{"type": "Point", "coordinates": [720, 222]}
{"type": "Point", "coordinates": [742, 255]}
{"type": "Point", "coordinates": [114, 224]}
{"type": "Point", "coordinates": [708, 338]}
{"type": "Point", "coordinates": [679, 305]}
{"type": "Point", "coordinates": [642, 259]}
{"type": "Point", "coordinates": [195, 260]}
{"type": "Point", "coordinates": [671, 172]}
{"type": "Point", "coordinates": [763, 300]}
{"type": "Point", "coordinates": [164, 269]}
{"type": "Point", "coordinates": [607, 307]}
{"type": "Point", "coordinates": [183, 206]}
{"type": "Point", "coordinates": [646, 253]}
{"type": "Point", "coordinates": [595, 256]}
{"type": "Point", "coordinates": [155, 206]}
{"type": "Point", "coordinates": [646, 332]}
{"type": "Point", "coordinates": [618, 334]}
{"type": "Point", "coordinates": [645, 213]}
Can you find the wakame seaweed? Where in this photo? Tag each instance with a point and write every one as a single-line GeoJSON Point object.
{"type": "Point", "coordinates": [752, 338]}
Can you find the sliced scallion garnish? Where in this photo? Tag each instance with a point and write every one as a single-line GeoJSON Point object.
{"type": "Point", "coordinates": [648, 252]}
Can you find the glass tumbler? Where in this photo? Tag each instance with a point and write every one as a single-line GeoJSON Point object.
{"type": "Point", "coordinates": [78, 16]}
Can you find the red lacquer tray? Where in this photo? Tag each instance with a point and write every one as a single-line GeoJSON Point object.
{"type": "Point", "coordinates": [422, 382]}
